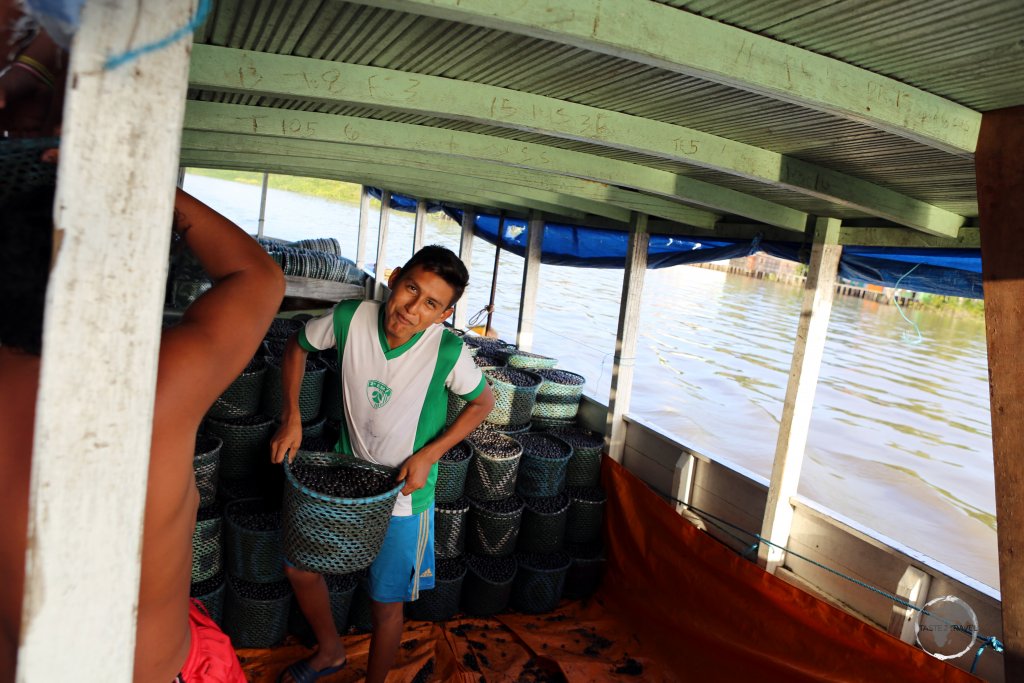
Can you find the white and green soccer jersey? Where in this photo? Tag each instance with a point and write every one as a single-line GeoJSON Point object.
{"type": "Point", "coordinates": [395, 400]}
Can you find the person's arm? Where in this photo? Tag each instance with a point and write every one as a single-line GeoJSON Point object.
{"type": "Point", "coordinates": [416, 468]}
{"type": "Point", "coordinates": [289, 435]}
{"type": "Point", "coordinates": [220, 332]}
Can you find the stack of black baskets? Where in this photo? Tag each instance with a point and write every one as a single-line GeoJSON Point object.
{"type": "Point", "coordinates": [518, 515]}
{"type": "Point", "coordinates": [519, 506]}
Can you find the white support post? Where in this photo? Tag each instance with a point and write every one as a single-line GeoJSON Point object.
{"type": "Point", "coordinates": [531, 280]}
{"type": "Point", "coordinates": [263, 205]}
{"type": "Point", "coordinates": [819, 292]}
{"type": "Point", "coordinates": [466, 256]}
{"type": "Point", "coordinates": [683, 476]}
{"type": "Point", "coordinates": [913, 587]}
{"type": "Point", "coordinates": [420, 225]}
{"type": "Point", "coordinates": [94, 421]}
{"type": "Point", "coordinates": [626, 336]}
{"type": "Point", "coordinates": [364, 221]}
{"type": "Point", "coordinates": [379, 281]}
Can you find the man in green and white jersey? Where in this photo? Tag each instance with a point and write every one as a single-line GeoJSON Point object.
{"type": "Point", "coordinates": [397, 365]}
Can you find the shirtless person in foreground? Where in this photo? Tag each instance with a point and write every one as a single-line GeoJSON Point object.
{"type": "Point", "coordinates": [199, 358]}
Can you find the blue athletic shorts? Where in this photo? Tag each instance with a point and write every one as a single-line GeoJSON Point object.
{"type": "Point", "coordinates": [405, 565]}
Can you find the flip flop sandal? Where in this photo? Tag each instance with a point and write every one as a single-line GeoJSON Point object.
{"type": "Point", "coordinates": [303, 672]}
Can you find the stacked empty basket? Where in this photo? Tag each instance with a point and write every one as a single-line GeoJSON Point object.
{"type": "Point", "coordinates": [207, 546]}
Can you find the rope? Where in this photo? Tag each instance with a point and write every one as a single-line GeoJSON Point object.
{"type": "Point", "coordinates": [986, 641]}
{"type": "Point", "coordinates": [899, 308]}
{"type": "Point", "coordinates": [132, 55]}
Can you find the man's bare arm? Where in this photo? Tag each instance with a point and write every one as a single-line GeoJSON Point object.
{"type": "Point", "coordinates": [221, 331]}
{"type": "Point", "coordinates": [289, 435]}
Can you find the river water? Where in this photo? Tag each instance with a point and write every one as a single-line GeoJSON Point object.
{"type": "Point", "coordinates": [900, 438]}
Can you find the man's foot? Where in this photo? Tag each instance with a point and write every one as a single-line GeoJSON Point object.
{"type": "Point", "coordinates": [310, 670]}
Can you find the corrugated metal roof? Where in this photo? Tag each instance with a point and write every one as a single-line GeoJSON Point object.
{"type": "Point", "coordinates": [970, 53]}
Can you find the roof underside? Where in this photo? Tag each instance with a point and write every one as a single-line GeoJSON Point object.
{"type": "Point", "coordinates": [699, 113]}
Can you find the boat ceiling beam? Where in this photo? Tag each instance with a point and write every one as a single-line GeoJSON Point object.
{"type": "Point", "coordinates": [588, 191]}
{"type": "Point", "coordinates": [281, 76]}
{"type": "Point", "coordinates": [302, 125]}
{"type": "Point", "coordinates": [669, 38]}
{"type": "Point", "coordinates": [517, 205]}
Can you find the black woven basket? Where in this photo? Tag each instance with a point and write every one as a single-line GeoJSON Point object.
{"type": "Point", "coordinates": [282, 328]}
{"type": "Point", "coordinates": [310, 391]}
{"type": "Point", "coordinates": [335, 534]}
{"type": "Point", "coordinates": [254, 541]}
{"type": "Point", "coordinates": [493, 526]}
{"type": "Point", "coordinates": [542, 424]}
{"type": "Point", "coordinates": [524, 360]}
{"type": "Point", "coordinates": [211, 594]}
{"type": "Point", "coordinates": [515, 392]}
{"type": "Point", "coordinates": [558, 397]}
{"type": "Point", "coordinates": [24, 171]}
{"type": "Point", "coordinates": [256, 614]}
{"type": "Point", "coordinates": [585, 464]}
{"type": "Point", "coordinates": [235, 489]}
{"type": "Point", "coordinates": [331, 405]}
{"type": "Point", "coordinates": [246, 444]}
{"type": "Point", "coordinates": [507, 430]}
{"type": "Point", "coordinates": [539, 581]}
{"type": "Point", "coordinates": [587, 570]}
{"type": "Point", "coordinates": [450, 520]}
{"type": "Point", "coordinates": [207, 544]}
{"type": "Point", "coordinates": [340, 590]}
{"type": "Point", "coordinates": [360, 616]}
{"type": "Point", "coordinates": [442, 601]}
{"type": "Point", "coordinates": [242, 398]}
{"type": "Point", "coordinates": [543, 527]}
{"type": "Point", "coordinates": [206, 465]}
{"type": "Point", "coordinates": [487, 587]}
{"type": "Point", "coordinates": [543, 465]}
{"type": "Point", "coordinates": [451, 472]}
{"type": "Point", "coordinates": [586, 514]}
{"type": "Point", "coordinates": [492, 472]}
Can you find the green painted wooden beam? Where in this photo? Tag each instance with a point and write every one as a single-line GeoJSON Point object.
{"type": "Point", "coordinates": [413, 184]}
{"type": "Point", "coordinates": [968, 238]}
{"type": "Point", "coordinates": [264, 121]}
{"type": "Point", "coordinates": [669, 38]}
{"type": "Point", "coordinates": [571, 189]}
{"type": "Point", "coordinates": [262, 74]}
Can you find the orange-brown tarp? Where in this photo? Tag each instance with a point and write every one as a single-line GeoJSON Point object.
{"type": "Point", "coordinates": [675, 605]}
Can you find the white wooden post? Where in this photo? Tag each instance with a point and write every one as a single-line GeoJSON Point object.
{"type": "Point", "coordinates": [379, 280]}
{"type": "Point", "coordinates": [626, 336]}
{"type": "Point", "coordinates": [531, 280]}
{"type": "Point", "coordinates": [118, 166]}
{"type": "Point", "coordinates": [466, 256]}
{"type": "Point", "coordinates": [420, 225]}
{"type": "Point", "coordinates": [364, 220]}
{"type": "Point", "coordinates": [263, 205]}
{"type": "Point", "coordinates": [819, 291]}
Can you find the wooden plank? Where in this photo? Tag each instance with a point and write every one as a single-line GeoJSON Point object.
{"type": "Point", "coordinates": [420, 225]}
{"type": "Point", "coordinates": [118, 165]}
{"type": "Point", "coordinates": [277, 123]}
{"type": "Point", "coordinates": [363, 165]}
{"type": "Point", "coordinates": [379, 279]}
{"type": "Point", "coordinates": [531, 280]}
{"type": "Point", "coordinates": [364, 222]}
{"type": "Point", "coordinates": [647, 470]}
{"type": "Point", "coordinates": [1001, 203]}
{"type": "Point", "coordinates": [649, 33]}
{"type": "Point", "coordinates": [263, 204]}
{"type": "Point", "coordinates": [803, 378]}
{"type": "Point", "coordinates": [466, 256]}
{"type": "Point", "coordinates": [271, 75]}
{"type": "Point", "coordinates": [626, 335]}
{"type": "Point", "coordinates": [321, 290]}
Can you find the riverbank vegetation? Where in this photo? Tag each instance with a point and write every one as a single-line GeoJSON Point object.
{"type": "Point", "coordinates": [315, 187]}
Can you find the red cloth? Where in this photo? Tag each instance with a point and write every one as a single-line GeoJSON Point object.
{"type": "Point", "coordinates": [211, 658]}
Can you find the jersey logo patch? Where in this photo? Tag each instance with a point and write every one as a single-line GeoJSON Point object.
{"type": "Point", "coordinates": [378, 393]}
{"type": "Point", "coordinates": [426, 574]}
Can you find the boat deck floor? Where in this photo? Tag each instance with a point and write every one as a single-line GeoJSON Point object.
{"type": "Point", "coordinates": [675, 605]}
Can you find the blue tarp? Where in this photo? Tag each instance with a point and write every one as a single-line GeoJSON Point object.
{"type": "Point", "coordinates": [950, 272]}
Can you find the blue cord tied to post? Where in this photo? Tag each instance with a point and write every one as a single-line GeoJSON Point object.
{"type": "Point", "coordinates": [131, 55]}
